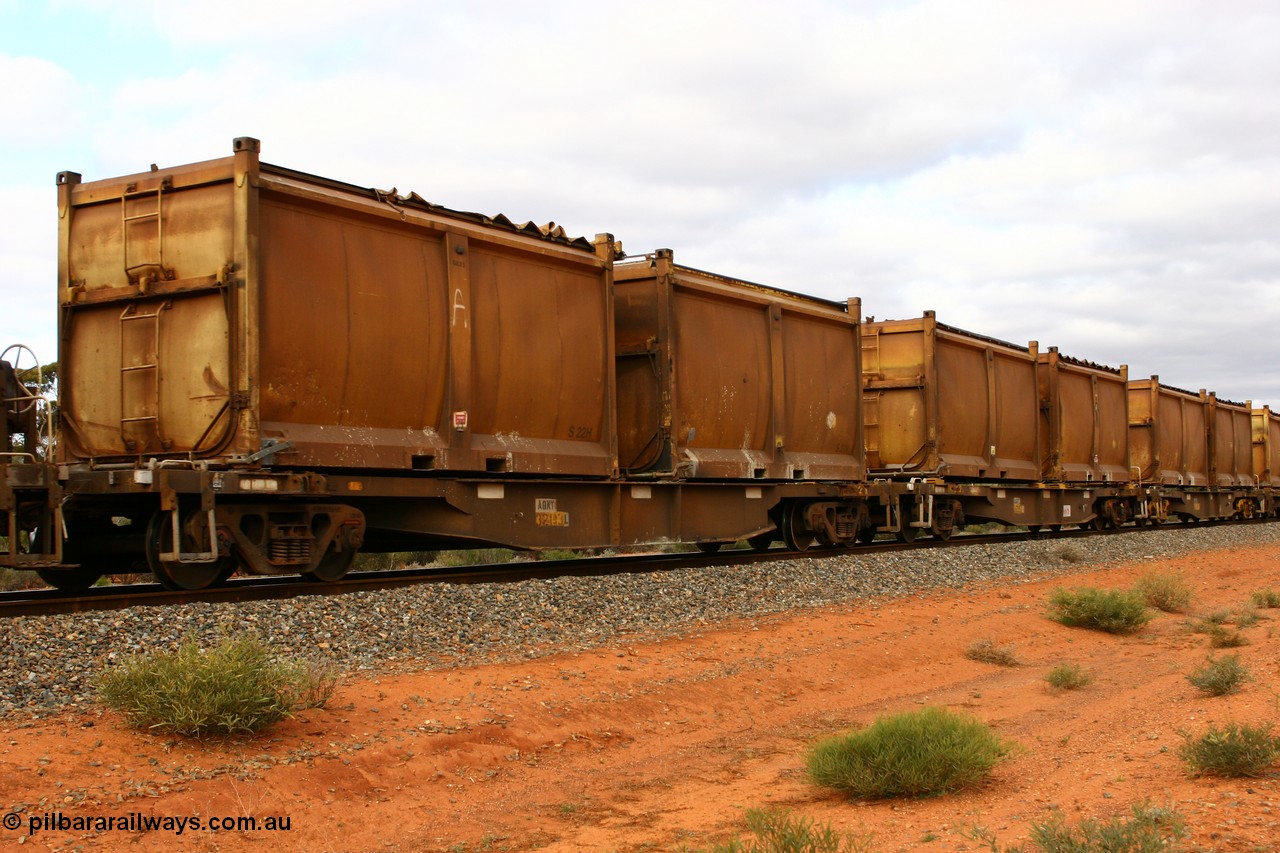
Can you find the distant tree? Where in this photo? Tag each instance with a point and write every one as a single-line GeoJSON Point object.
{"type": "Point", "coordinates": [43, 381]}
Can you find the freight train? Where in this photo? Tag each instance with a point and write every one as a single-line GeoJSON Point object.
{"type": "Point", "coordinates": [265, 371]}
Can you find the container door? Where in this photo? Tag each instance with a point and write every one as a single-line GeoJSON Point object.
{"type": "Point", "coordinates": [146, 329]}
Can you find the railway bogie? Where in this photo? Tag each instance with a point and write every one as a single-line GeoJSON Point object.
{"type": "Point", "coordinates": [940, 506]}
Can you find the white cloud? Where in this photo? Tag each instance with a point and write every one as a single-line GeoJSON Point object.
{"type": "Point", "coordinates": [29, 249]}
{"type": "Point", "coordinates": [1098, 176]}
{"type": "Point", "coordinates": [39, 101]}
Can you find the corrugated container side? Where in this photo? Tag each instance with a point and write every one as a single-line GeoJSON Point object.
{"type": "Point", "coordinates": [1232, 460]}
{"type": "Point", "coordinates": [942, 400]}
{"type": "Point", "coordinates": [1168, 433]}
{"type": "Point", "coordinates": [1085, 425]}
{"type": "Point", "coordinates": [1266, 446]}
{"type": "Point", "coordinates": [723, 379]}
{"type": "Point", "coordinates": [429, 346]}
{"type": "Point", "coordinates": [257, 305]}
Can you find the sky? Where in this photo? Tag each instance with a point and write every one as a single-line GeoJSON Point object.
{"type": "Point", "coordinates": [1101, 177]}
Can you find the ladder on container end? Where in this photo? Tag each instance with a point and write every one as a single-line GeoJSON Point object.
{"type": "Point", "coordinates": [140, 371]}
{"type": "Point", "coordinates": [144, 272]}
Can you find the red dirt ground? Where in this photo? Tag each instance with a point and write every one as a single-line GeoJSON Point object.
{"type": "Point", "coordinates": [663, 745]}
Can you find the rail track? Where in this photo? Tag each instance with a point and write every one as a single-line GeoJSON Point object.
{"type": "Point", "coordinates": [37, 602]}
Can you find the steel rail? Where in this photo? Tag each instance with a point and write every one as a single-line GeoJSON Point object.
{"type": "Point", "coordinates": [39, 602]}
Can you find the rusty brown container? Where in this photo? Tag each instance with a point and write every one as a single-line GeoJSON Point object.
{"type": "Point", "coordinates": [231, 308]}
{"type": "Point", "coordinates": [1168, 434]}
{"type": "Point", "coordinates": [939, 400]}
{"type": "Point", "coordinates": [722, 379]}
{"type": "Point", "coordinates": [1084, 430]}
{"type": "Point", "coordinates": [1231, 463]}
{"type": "Point", "coordinates": [1266, 446]}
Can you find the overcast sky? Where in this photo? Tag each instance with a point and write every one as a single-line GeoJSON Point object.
{"type": "Point", "coordinates": [1103, 177]}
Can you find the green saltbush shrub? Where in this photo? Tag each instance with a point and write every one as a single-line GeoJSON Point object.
{"type": "Point", "coordinates": [1150, 830]}
{"type": "Point", "coordinates": [1233, 750]}
{"type": "Point", "coordinates": [1266, 598]}
{"type": "Point", "coordinates": [1112, 610]}
{"type": "Point", "coordinates": [1220, 676]}
{"type": "Point", "coordinates": [782, 832]}
{"type": "Point", "coordinates": [1167, 591]}
{"type": "Point", "coordinates": [235, 687]}
{"type": "Point", "coordinates": [1068, 676]}
{"type": "Point", "coordinates": [912, 754]}
{"type": "Point", "coordinates": [1223, 638]}
{"type": "Point", "coordinates": [986, 651]}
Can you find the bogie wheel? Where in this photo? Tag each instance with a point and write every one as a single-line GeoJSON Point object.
{"type": "Point", "coordinates": [333, 566]}
{"type": "Point", "coordinates": [70, 580]}
{"type": "Point", "coordinates": [798, 539]}
{"type": "Point", "coordinates": [906, 533]}
{"type": "Point", "coordinates": [88, 548]}
{"type": "Point", "coordinates": [763, 541]}
{"type": "Point", "coordinates": [175, 575]}
{"type": "Point", "coordinates": [867, 534]}
{"type": "Point", "coordinates": [708, 547]}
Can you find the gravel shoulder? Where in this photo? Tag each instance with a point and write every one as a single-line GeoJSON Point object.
{"type": "Point", "coordinates": [648, 712]}
{"type": "Point", "coordinates": [47, 663]}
